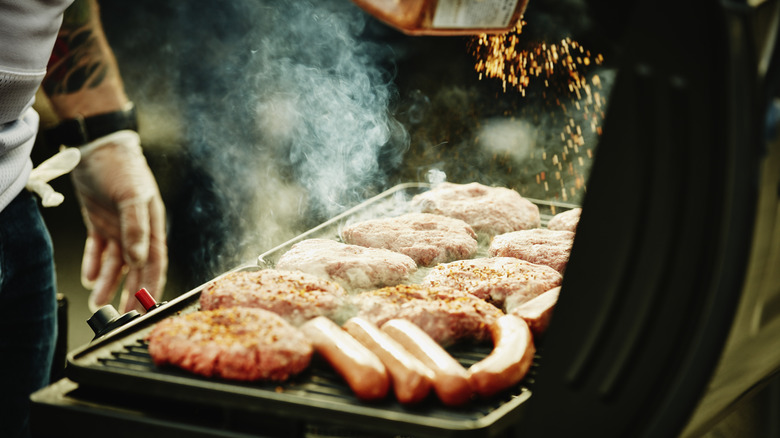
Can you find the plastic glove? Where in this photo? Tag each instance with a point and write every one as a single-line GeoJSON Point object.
{"type": "Point", "coordinates": [57, 165]}
{"type": "Point", "coordinates": [125, 219]}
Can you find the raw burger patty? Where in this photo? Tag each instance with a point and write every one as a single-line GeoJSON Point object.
{"type": "Point", "coordinates": [540, 246]}
{"type": "Point", "coordinates": [236, 343]}
{"type": "Point", "coordinates": [427, 238]}
{"type": "Point", "coordinates": [489, 210]}
{"type": "Point", "coordinates": [296, 296]}
{"type": "Point", "coordinates": [445, 314]}
{"type": "Point", "coordinates": [566, 220]}
{"type": "Point", "coordinates": [352, 266]}
{"type": "Point", "coordinates": [495, 279]}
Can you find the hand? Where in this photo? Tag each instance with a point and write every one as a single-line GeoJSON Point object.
{"type": "Point", "coordinates": [125, 219]}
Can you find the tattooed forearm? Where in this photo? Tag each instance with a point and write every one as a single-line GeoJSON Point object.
{"type": "Point", "coordinates": [77, 61]}
{"type": "Point", "coordinates": [83, 77]}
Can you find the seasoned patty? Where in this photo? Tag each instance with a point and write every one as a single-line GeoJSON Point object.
{"type": "Point", "coordinates": [296, 296]}
{"type": "Point", "coordinates": [494, 279]}
{"type": "Point", "coordinates": [541, 246]}
{"type": "Point", "coordinates": [352, 266]}
{"type": "Point", "coordinates": [489, 210]}
{"type": "Point", "coordinates": [566, 220]}
{"type": "Point", "coordinates": [235, 343]}
{"type": "Point", "coordinates": [427, 238]}
{"type": "Point", "coordinates": [445, 314]}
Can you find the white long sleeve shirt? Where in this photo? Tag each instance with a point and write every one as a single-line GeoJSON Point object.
{"type": "Point", "coordinates": [28, 29]}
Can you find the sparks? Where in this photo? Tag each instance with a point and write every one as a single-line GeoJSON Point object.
{"type": "Point", "coordinates": [560, 67]}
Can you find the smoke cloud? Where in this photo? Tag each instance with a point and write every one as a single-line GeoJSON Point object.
{"type": "Point", "coordinates": [282, 109]}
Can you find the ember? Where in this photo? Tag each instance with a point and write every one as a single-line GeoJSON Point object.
{"type": "Point", "coordinates": [563, 68]}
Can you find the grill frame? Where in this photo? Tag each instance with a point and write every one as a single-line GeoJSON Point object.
{"type": "Point", "coordinates": [119, 362]}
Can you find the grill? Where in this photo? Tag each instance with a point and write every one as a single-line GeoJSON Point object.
{"type": "Point", "coordinates": [120, 362]}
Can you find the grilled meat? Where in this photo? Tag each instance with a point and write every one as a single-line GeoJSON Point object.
{"type": "Point", "coordinates": [540, 246]}
{"type": "Point", "coordinates": [233, 343]}
{"type": "Point", "coordinates": [352, 266]}
{"type": "Point", "coordinates": [494, 279]}
{"type": "Point", "coordinates": [489, 210]}
{"type": "Point", "coordinates": [296, 296]}
{"type": "Point", "coordinates": [427, 238]}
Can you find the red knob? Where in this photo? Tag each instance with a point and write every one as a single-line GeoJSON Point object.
{"type": "Point", "coordinates": [146, 299]}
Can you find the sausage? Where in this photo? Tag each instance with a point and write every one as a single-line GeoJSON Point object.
{"type": "Point", "coordinates": [410, 378]}
{"type": "Point", "coordinates": [363, 371]}
{"type": "Point", "coordinates": [450, 379]}
{"type": "Point", "coordinates": [538, 311]}
{"type": "Point", "coordinates": [510, 360]}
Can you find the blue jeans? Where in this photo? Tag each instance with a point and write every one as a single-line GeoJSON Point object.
{"type": "Point", "coordinates": [28, 311]}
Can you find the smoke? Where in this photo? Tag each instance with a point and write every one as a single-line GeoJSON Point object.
{"type": "Point", "coordinates": [301, 127]}
{"type": "Point", "coordinates": [282, 111]}
{"type": "Point", "coordinates": [322, 100]}
{"type": "Point", "coordinates": [515, 138]}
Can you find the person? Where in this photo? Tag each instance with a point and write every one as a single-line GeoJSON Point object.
{"type": "Point", "coordinates": [65, 53]}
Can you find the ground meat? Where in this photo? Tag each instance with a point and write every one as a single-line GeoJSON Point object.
{"type": "Point", "coordinates": [296, 296]}
{"type": "Point", "coordinates": [494, 279]}
{"type": "Point", "coordinates": [427, 238]}
{"type": "Point", "coordinates": [540, 246]}
{"type": "Point", "coordinates": [566, 220]}
{"type": "Point", "coordinates": [538, 311]}
{"type": "Point", "coordinates": [235, 343]}
{"type": "Point", "coordinates": [445, 314]}
{"type": "Point", "coordinates": [354, 267]}
{"type": "Point", "coordinates": [489, 210]}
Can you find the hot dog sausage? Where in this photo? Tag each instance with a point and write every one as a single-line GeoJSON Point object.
{"type": "Point", "coordinates": [508, 363]}
{"type": "Point", "coordinates": [450, 378]}
{"type": "Point", "coordinates": [363, 371]}
{"type": "Point", "coordinates": [410, 378]}
{"type": "Point", "coordinates": [538, 311]}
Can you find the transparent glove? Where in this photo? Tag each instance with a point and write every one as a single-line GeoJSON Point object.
{"type": "Point", "coordinates": [125, 220]}
{"type": "Point", "coordinates": [59, 164]}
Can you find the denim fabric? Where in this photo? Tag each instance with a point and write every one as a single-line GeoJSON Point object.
{"type": "Point", "coordinates": [28, 311]}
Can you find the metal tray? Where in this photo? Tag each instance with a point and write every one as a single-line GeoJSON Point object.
{"type": "Point", "coordinates": [120, 362]}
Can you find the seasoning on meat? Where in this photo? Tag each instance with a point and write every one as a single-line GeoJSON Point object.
{"type": "Point", "coordinates": [427, 238]}
{"type": "Point", "coordinates": [296, 296]}
{"type": "Point", "coordinates": [447, 315]}
{"type": "Point", "coordinates": [495, 279]}
{"type": "Point", "coordinates": [489, 210]}
{"type": "Point", "coordinates": [234, 343]}
{"type": "Point", "coordinates": [352, 266]}
{"type": "Point", "coordinates": [540, 246]}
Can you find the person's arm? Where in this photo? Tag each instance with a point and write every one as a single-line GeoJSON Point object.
{"type": "Point", "coordinates": [121, 203]}
{"type": "Point", "coordinates": [83, 78]}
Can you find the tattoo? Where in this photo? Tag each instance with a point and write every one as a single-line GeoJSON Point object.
{"type": "Point", "coordinates": [76, 62]}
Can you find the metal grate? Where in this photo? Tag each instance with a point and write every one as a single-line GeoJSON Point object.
{"type": "Point", "coordinates": [320, 379]}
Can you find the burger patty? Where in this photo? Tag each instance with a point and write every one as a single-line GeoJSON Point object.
{"type": "Point", "coordinates": [234, 343]}
{"type": "Point", "coordinates": [495, 279]}
{"type": "Point", "coordinates": [296, 296]}
{"type": "Point", "coordinates": [489, 210]}
{"type": "Point", "coordinates": [538, 311]}
{"type": "Point", "coordinates": [566, 220]}
{"type": "Point", "coordinates": [352, 266]}
{"type": "Point", "coordinates": [541, 246]}
{"type": "Point", "coordinates": [427, 238]}
{"type": "Point", "coordinates": [447, 315]}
